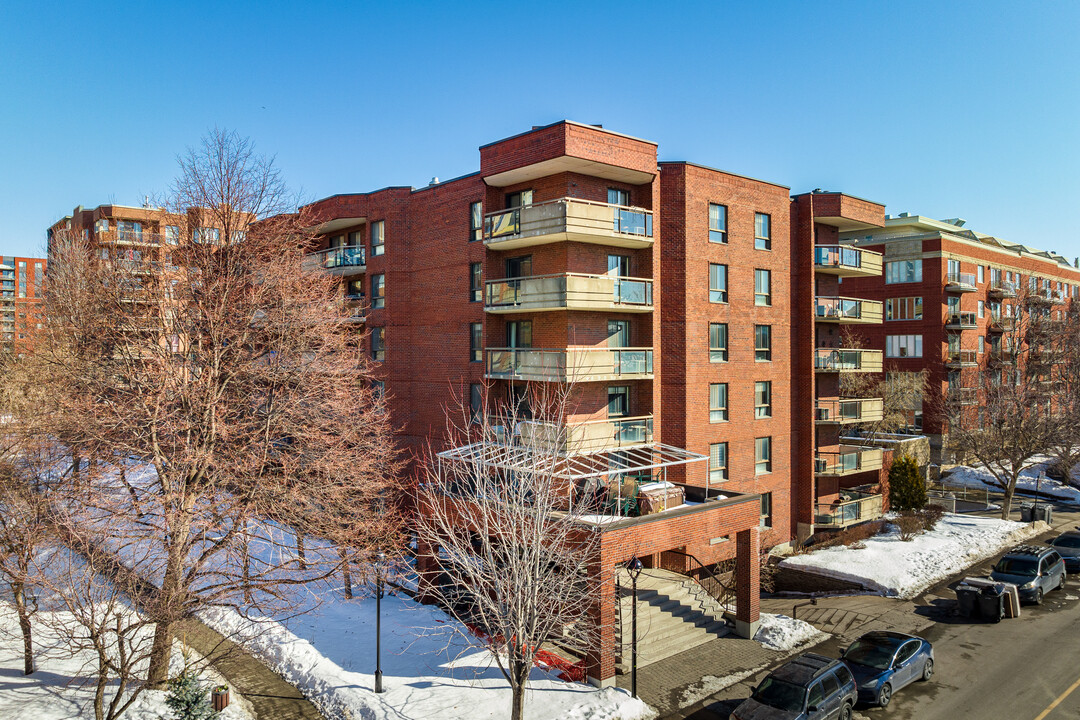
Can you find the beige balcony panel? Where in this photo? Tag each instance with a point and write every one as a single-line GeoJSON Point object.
{"type": "Point", "coordinates": [841, 515]}
{"type": "Point", "coordinates": [586, 437]}
{"type": "Point", "coordinates": [568, 220]}
{"type": "Point", "coordinates": [845, 411]}
{"type": "Point", "coordinates": [849, 460]}
{"type": "Point", "coordinates": [847, 311]}
{"type": "Point", "coordinates": [569, 291]}
{"type": "Point", "coordinates": [847, 360]}
{"type": "Point", "coordinates": [846, 261]}
{"type": "Point", "coordinates": [570, 364]}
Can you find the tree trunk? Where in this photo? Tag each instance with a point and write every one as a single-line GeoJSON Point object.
{"type": "Point", "coordinates": [346, 573]}
{"type": "Point", "coordinates": [520, 671]}
{"type": "Point", "coordinates": [99, 691]}
{"type": "Point", "coordinates": [24, 625]}
{"type": "Point", "coordinates": [1006, 500]}
{"type": "Point", "coordinates": [169, 602]}
{"type": "Point", "coordinates": [300, 553]}
{"type": "Point", "coordinates": [158, 674]}
{"type": "Point", "coordinates": [246, 550]}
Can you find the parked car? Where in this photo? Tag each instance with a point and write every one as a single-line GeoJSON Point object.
{"type": "Point", "coordinates": [1033, 569]}
{"type": "Point", "coordinates": [884, 662]}
{"type": "Point", "coordinates": [1068, 546]}
{"type": "Point", "coordinates": [810, 687]}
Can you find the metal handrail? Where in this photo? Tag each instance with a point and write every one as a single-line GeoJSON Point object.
{"type": "Point", "coordinates": [842, 358]}
{"type": "Point", "coordinates": [722, 598]}
{"type": "Point", "coordinates": [960, 278]}
{"type": "Point", "coordinates": [341, 256]}
{"type": "Point", "coordinates": [495, 229]}
{"type": "Point", "coordinates": [624, 290]}
{"type": "Point", "coordinates": [1002, 286]}
{"type": "Point", "coordinates": [961, 318]}
{"type": "Point", "coordinates": [839, 306]}
{"type": "Point", "coordinates": [962, 356]}
{"type": "Point", "coordinates": [569, 199]}
{"type": "Point", "coordinates": [841, 255]}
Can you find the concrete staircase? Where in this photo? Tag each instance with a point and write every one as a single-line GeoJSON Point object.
{"type": "Point", "coordinates": [674, 614]}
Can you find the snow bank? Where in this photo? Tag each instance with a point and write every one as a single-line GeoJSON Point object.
{"type": "Point", "coordinates": [56, 690]}
{"type": "Point", "coordinates": [429, 671]}
{"type": "Point", "coordinates": [780, 632]}
{"type": "Point", "coordinates": [978, 476]}
{"type": "Point", "coordinates": [896, 568]}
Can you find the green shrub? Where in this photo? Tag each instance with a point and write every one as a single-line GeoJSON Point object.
{"type": "Point", "coordinates": [189, 699]}
{"type": "Point", "coordinates": [907, 488]}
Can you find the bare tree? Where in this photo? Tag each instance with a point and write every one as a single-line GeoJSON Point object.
{"type": "Point", "coordinates": [221, 392]}
{"type": "Point", "coordinates": [1014, 419]}
{"type": "Point", "coordinates": [510, 531]}
{"type": "Point", "coordinates": [1063, 347]}
{"type": "Point", "coordinates": [900, 391]}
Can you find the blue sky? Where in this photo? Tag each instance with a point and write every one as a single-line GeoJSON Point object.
{"type": "Point", "coordinates": [968, 109]}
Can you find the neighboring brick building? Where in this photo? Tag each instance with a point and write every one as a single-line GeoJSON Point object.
{"type": "Point", "coordinates": [948, 296]}
{"type": "Point", "coordinates": [22, 284]}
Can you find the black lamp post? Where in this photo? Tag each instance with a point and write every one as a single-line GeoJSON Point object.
{"type": "Point", "coordinates": [379, 559]}
{"type": "Point", "coordinates": [633, 567]}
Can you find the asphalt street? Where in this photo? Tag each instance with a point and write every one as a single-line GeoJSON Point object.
{"type": "Point", "coordinates": [1019, 669]}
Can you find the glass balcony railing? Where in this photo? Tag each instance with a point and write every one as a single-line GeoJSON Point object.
{"type": "Point", "coordinates": [569, 219]}
{"type": "Point", "coordinates": [846, 260]}
{"type": "Point", "coordinates": [339, 260]}
{"type": "Point", "coordinates": [569, 291]}
{"type": "Point", "coordinates": [851, 508]}
{"type": "Point", "coordinates": [847, 310]}
{"type": "Point", "coordinates": [848, 460]}
{"type": "Point", "coordinates": [577, 364]}
{"type": "Point", "coordinates": [848, 410]}
{"type": "Point", "coordinates": [847, 360]}
{"type": "Point", "coordinates": [587, 437]}
{"type": "Point", "coordinates": [1002, 288]}
{"type": "Point", "coordinates": [960, 282]}
{"type": "Point", "coordinates": [961, 357]}
{"type": "Point", "coordinates": [962, 320]}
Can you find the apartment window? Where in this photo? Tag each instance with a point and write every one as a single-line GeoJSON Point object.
{"type": "Point", "coordinates": [982, 308]}
{"type": "Point", "coordinates": [954, 305]}
{"type": "Point", "coordinates": [762, 287]}
{"type": "Point", "coordinates": [982, 344]}
{"type": "Point", "coordinates": [206, 235]}
{"type": "Point", "coordinates": [618, 401]}
{"type": "Point", "coordinates": [172, 234]}
{"type": "Point", "coordinates": [379, 387]}
{"type": "Point", "coordinates": [101, 225]}
{"type": "Point", "coordinates": [476, 401]}
{"type": "Point", "coordinates": [355, 240]}
{"type": "Point", "coordinates": [378, 237]}
{"type": "Point", "coordinates": [718, 410]}
{"type": "Point", "coordinates": [763, 399]}
{"type": "Point", "coordinates": [378, 290]}
{"type": "Point", "coordinates": [995, 276]}
{"type": "Point", "coordinates": [476, 282]}
{"type": "Point", "coordinates": [476, 342]}
{"type": "Point", "coordinates": [718, 462]}
{"type": "Point", "coordinates": [336, 241]}
{"type": "Point", "coordinates": [378, 343]}
{"type": "Point", "coordinates": [718, 351]}
{"type": "Point", "coordinates": [717, 283]}
{"type": "Point", "coordinates": [476, 221]}
{"type": "Point", "coordinates": [908, 308]}
{"type": "Point", "coordinates": [519, 199]}
{"type": "Point", "coordinates": [519, 334]}
{"type": "Point", "coordinates": [354, 290]}
{"type": "Point", "coordinates": [766, 509]}
{"type": "Point", "coordinates": [903, 271]}
{"type": "Point", "coordinates": [979, 273]}
{"type": "Point", "coordinates": [762, 455]}
{"type": "Point", "coordinates": [901, 346]}
{"type": "Point", "coordinates": [763, 342]}
{"type": "Point", "coordinates": [717, 223]}
{"type": "Point", "coordinates": [762, 231]}
{"type": "Point", "coordinates": [615, 196]}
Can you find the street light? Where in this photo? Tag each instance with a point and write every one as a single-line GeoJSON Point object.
{"type": "Point", "coordinates": [379, 560]}
{"type": "Point", "coordinates": [633, 568]}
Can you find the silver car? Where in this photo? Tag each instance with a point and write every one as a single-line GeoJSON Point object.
{"type": "Point", "coordinates": [1033, 569]}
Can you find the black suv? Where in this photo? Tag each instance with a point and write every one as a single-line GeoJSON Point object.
{"type": "Point", "coordinates": [810, 687]}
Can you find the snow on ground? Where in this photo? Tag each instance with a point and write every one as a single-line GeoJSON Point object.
{"type": "Point", "coordinates": [428, 670]}
{"type": "Point", "coordinates": [978, 476]}
{"type": "Point", "coordinates": [896, 568]}
{"type": "Point", "coordinates": [56, 691]}
{"type": "Point", "coordinates": [780, 632]}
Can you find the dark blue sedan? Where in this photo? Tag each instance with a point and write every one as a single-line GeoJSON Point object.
{"type": "Point", "coordinates": [884, 662]}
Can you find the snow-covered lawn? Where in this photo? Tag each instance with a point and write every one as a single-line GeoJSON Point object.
{"type": "Point", "coordinates": [780, 632]}
{"type": "Point", "coordinates": [896, 568]}
{"type": "Point", "coordinates": [428, 671]}
{"type": "Point", "coordinates": [978, 476]}
{"type": "Point", "coordinates": [58, 689]}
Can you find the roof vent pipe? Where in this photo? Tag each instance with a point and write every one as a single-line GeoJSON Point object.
{"type": "Point", "coordinates": [434, 181]}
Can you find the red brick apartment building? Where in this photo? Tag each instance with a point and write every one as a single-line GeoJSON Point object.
{"type": "Point", "coordinates": [948, 295]}
{"type": "Point", "coordinates": [21, 292]}
{"type": "Point", "coordinates": [678, 301]}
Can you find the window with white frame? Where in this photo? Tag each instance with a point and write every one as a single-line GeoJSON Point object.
{"type": "Point", "coordinates": [903, 271]}
{"type": "Point", "coordinates": [717, 223]}
{"type": "Point", "coordinates": [718, 469]}
{"type": "Point", "coordinates": [762, 287]}
{"type": "Point", "coordinates": [762, 231]}
{"type": "Point", "coordinates": [762, 455]}
{"type": "Point", "coordinates": [763, 399]}
{"type": "Point", "coordinates": [378, 237]}
{"type": "Point", "coordinates": [906, 308]}
{"type": "Point", "coordinates": [718, 349]}
{"type": "Point", "coordinates": [901, 346]}
{"type": "Point", "coordinates": [718, 403]}
{"type": "Point", "coordinates": [718, 283]}
{"type": "Point", "coordinates": [763, 342]}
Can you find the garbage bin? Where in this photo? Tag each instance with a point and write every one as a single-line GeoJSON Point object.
{"type": "Point", "coordinates": [967, 599]}
{"type": "Point", "coordinates": [992, 603]}
{"type": "Point", "coordinates": [1027, 512]}
{"type": "Point", "coordinates": [1044, 512]}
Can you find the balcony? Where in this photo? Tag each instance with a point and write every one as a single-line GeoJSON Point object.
{"type": "Point", "coordinates": [131, 237]}
{"type": "Point", "coordinates": [853, 507]}
{"type": "Point", "coordinates": [846, 261]}
{"type": "Point", "coordinates": [1001, 289]}
{"type": "Point", "coordinates": [576, 364]}
{"type": "Point", "coordinates": [843, 411]}
{"type": "Point", "coordinates": [1000, 356]}
{"type": "Point", "coordinates": [849, 460]}
{"type": "Point", "coordinates": [961, 359]}
{"type": "Point", "coordinates": [1046, 356]}
{"type": "Point", "coordinates": [999, 323]}
{"type": "Point", "coordinates": [961, 321]}
{"type": "Point", "coordinates": [568, 220]}
{"type": "Point", "coordinates": [587, 437]}
{"type": "Point", "coordinates": [847, 310]}
{"type": "Point", "coordinates": [847, 360]}
{"type": "Point", "coordinates": [341, 261]}
{"type": "Point", "coordinates": [1046, 296]}
{"type": "Point", "coordinates": [960, 282]}
{"type": "Point", "coordinates": [568, 291]}
{"type": "Point", "coordinates": [962, 396]}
